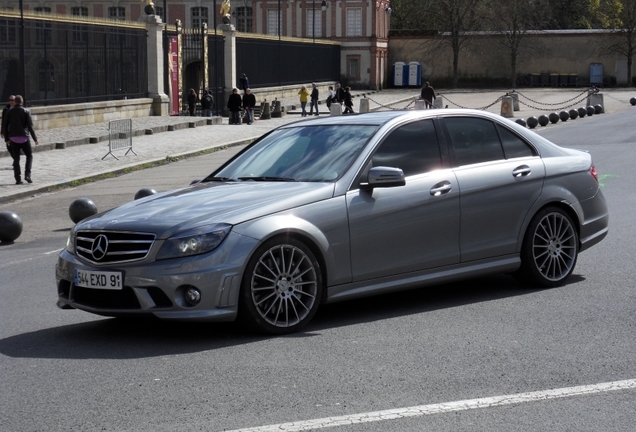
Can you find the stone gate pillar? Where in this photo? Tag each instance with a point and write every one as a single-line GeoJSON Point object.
{"type": "Point", "coordinates": [229, 59]}
{"type": "Point", "coordinates": [160, 101]}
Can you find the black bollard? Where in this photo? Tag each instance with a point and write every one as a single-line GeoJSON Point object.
{"type": "Point", "coordinates": [544, 120]}
{"type": "Point", "coordinates": [532, 122]}
{"type": "Point", "coordinates": [564, 116]}
{"type": "Point", "coordinates": [10, 226]}
{"type": "Point", "coordinates": [590, 110]}
{"type": "Point", "coordinates": [598, 109]}
{"type": "Point", "coordinates": [574, 114]}
{"type": "Point", "coordinates": [554, 117]}
{"type": "Point", "coordinates": [521, 122]}
{"type": "Point", "coordinates": [582, 112]}
{"type": "Point", "coordinates": [81, 208]}
{"type": "Point", "coordinates": [144, 192]}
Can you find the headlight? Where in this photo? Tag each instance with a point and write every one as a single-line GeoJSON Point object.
{"type": "Point", "coordinates": [70, 242]}
{"type": "Point", "coordinates": [194, 242]}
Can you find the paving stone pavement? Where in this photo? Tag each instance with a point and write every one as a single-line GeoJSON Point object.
{"type": "Point", "coordinates": [59, 167]}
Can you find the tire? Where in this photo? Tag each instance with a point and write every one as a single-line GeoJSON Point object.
{"type": "Point", "coordinates": [281, 287]}
{"type": "Point", "coordinates": [550, 249]}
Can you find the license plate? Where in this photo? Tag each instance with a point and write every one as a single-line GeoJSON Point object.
{"type": "Point", "coordinates": [98, 279]}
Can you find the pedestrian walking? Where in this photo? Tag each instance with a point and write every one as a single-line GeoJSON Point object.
{"type": "Point", "coordinates": [245, 83]}
{"type": "Point", "coordinates": [314, 99]}
{"type": "Point", "coordinates": [192, 101]}
{"type": "Point", "coordinates": [348, 102]}
{"type": "Point", "coordinates": [207, 103]}
{"type": "Point", "coordinates": [10, 105]}
{"type": "Point", "coordinates": [340, 94]}
{"type": "Point", "coordinates": [428, 94]}
{"type": "Point", "coordinates": [330, 97]}
{"type": "Point", "coordinates": [249, 102]}
{"type": "Point", "coordinates": [15, 130]}
{"type": "Point", "coordinates": [234, 106]}
{"type": "Point", "coordinates": [304, 95]}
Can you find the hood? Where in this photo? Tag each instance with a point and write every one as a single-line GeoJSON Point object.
{"type": "Point", "coordinates": [202, 204]}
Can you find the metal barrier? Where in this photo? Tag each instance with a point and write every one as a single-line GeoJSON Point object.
{"type": "Point", "coordinates": [119, 137]}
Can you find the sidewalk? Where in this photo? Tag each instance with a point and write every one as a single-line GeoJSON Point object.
{"type": "Point", "coordinates": [79, 163]}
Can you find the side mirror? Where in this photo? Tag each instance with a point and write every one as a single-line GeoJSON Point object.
{"type": "Point", "coordinates": [384, 177]}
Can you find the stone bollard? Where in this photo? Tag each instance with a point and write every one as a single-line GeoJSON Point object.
{"type": "Point", "coordinates": [276, 109]}
{"type": "Point", "coordinates": [336, 109]}
{"type": "Point", "coordinates": [595, 99]}
{"type": "Point", "coordinates": [364, 106]}
{"type": "Point", "coordinates": [506, 107]}
{"type": "Point", "coordinates": [420, 104]}
{"type": "Point", "coordinates": [438, 102]}
{"type": "Point", "coordinates": [265, 112]}
{"type": "Point", "coordinates": [515, 101]}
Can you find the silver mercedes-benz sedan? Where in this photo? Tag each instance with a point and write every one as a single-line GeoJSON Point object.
{"type": "Point", "coordinates": [338, 208]}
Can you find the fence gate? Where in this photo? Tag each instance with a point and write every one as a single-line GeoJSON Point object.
{"type": "Point", "coordinates": [119, 137]}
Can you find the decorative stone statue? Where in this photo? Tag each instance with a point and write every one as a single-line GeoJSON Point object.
{"type": "Point", "coordinates": [225, 11]}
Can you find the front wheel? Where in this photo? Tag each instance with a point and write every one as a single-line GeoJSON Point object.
{"type": "Point", "coordinates": [550, 249]}
{"type": "Point", "coordinates": [281, 287]}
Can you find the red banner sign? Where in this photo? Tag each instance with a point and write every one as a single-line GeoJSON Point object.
{"type": "Point", "coordinates": [174, 75]}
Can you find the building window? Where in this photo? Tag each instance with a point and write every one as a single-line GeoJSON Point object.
{"type": "Point", "coordinates": [314, 23]}
{"type": "Point", "coordinates": [353, 67]}
{"type": "Point", "coordinates": [159, 12]}
{"type": "Point", "coordinates": [272, 22]}
{"type": "Point", "coordinates": [117, 13]}
{"type": "Point", "coordinates": [354, 22]}
{"type": "Point", "coordinates": [79, 11]}
{"type": "Point", "coordinates": [199, 16]}
{"type": "Point", "coordinates": [43, 29]}
{"type": "Point", "coordinates": [80, 35]}
{"type": "Point", "coordinates": [46, 80]}
{"type": "Point", "coordinates": [8, 32]}
{"type": "Point", "coordinates": [244, 19]}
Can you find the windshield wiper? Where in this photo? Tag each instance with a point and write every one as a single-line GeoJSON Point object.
{"type": "Point", "coordinates": [267, 178]}
{"type": "Point", "coordinates": [217, 179]}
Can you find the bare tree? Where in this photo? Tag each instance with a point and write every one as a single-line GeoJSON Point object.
{"type": "Point", "coordinates": [457, 17]}
{"type": "Point", "coordinates": [623, 23]}
{"type": "Point", "coordinates": [512, 19]}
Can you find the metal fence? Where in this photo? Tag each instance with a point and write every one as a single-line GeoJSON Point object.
{"type": "Point", "coordinates": [53, 60]}
{"type": "Point", "coordinates": [119, 137]}
{"type": "Point", "coordinates": [275, 62]}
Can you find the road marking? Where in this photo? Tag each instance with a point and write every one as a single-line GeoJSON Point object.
{"type": "Point", "coordinates": [54, 251]}
{"type": "Point", "coordinates": [422, 410]}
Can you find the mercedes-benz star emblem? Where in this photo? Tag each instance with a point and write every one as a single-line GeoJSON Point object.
{"type": "Point", "coordinates": [100, 247]}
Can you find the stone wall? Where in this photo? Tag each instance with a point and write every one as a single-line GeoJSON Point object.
{"type": "Point", "coordinates": [485, 61]}
{"type": "Point", "coordinates": [57, 116]}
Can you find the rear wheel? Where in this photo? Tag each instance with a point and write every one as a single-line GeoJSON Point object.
{"type": "Point", "coordinates": [281, 287]}
{"type": "Point", "coordinates": [550, 249]}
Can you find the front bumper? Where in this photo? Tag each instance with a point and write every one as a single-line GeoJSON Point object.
{"type": "Point", "coordinates": [158, 287]}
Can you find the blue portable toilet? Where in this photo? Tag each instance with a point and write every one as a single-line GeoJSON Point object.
{"type": "Point", "coordinates": [399, 78]}
{"type": "Point", "coordinates": [415, 74]}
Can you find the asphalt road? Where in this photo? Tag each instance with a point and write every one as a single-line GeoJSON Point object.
{"type": "Point", "coordinates": [431, 350]}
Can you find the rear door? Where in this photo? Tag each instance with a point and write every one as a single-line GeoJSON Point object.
{"type": "Point", "coordinates": [500, 177]}
{"type": "Point", "coordinates": [406, 228]}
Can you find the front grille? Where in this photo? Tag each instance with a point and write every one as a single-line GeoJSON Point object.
{"type": "Point", "coordinates": [124, 299]}
{"type": "Point", "coordinates": [109, 247]}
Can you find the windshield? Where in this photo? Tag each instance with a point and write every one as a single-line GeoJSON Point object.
{"type": "Point", "coordinates": [305, 153]}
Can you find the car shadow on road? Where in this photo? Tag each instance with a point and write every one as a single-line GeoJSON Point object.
{"type": "Point", "coordinates": [118, 338]}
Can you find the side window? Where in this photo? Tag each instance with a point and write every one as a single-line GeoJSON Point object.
{"type": "Point", "coordinates": [474, 140]}
{"type": "Point", "coordinates": [513, 145]}
{"type": "Point", "coordinates": [412, 147]}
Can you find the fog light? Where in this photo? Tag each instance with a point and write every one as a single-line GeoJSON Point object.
{"type": "Point", "coordinates": [192, 296]}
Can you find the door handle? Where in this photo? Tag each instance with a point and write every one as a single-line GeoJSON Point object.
{"type": "Point", "coordinates": [441, 188]}
{"type": "Point", "coordinates": [521, 171]}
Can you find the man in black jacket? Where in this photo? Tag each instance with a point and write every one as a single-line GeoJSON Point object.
{"type": "Point", "coordinates": [15, 130]}
{"type": "Point", "coordinates": [314, 99]}
{"type": "Point", "coordinates": [249, 102]}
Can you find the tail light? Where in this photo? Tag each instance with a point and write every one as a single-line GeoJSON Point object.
{"type": "Point", "coordinates": [594, 173]}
